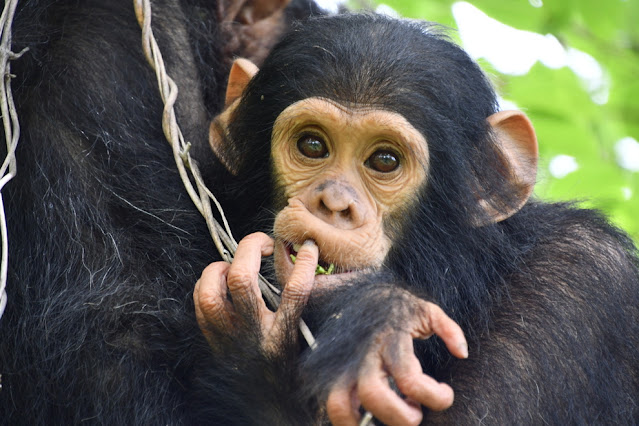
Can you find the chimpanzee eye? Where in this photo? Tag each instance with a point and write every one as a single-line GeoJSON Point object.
{"type": "Point", "coordinates": [383, 161]}
{"type": "Point", "coordinates": [312, 146]}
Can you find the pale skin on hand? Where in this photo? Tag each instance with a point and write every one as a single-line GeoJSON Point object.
{"type": "Point", "coordinates": [392, 356]}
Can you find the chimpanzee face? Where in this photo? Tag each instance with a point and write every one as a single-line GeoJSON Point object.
{"type": "Point", "coordinates": [345, 172]}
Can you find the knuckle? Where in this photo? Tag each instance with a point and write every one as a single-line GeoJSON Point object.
{"type": "Point", "coordinates": [435, 315]}
{"type": "Point", "coordinates": [240, 279]}
{"type": "Point", "coordinates": [367, 394]}
{"type": "Point", "coordinates": [334, 406]}
{"type": "Point", "coordinates": [431, 319]}
{"type": "Point", "coordinates": [254, 238]}
{"type": "Point", "coordinates": [211, 307]}
{"type": "Point", "coordinates": [213, 270]}
{"type": "Point", "coordinates": [338, 409]}
{"type": "Point", "coordinates": [305, 257]}
{"type": "Point", "coordinates": [297, 290]}
{"type": "Point", "coordinates": [409, 384]}
{"type": "Point", "coordinates": [423, 328]}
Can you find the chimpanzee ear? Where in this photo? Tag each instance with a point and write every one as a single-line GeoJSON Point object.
{"type": "Point", "coordinates": [251, 27]}
{"type": "Point", "coordinates": [241, 73]}
{"type": "Point", "coordinates": [517, 141]}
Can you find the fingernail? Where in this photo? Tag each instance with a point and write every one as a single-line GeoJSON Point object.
{"type": "Point", "coordinates": [309, 243]}
{"type": "Point", "coordinates": [463, 348]}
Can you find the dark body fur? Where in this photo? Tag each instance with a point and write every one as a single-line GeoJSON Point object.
{"type": "Point", "coordinates": [105, 243]}
{"type": "Point", "coordinates": [105, 247]}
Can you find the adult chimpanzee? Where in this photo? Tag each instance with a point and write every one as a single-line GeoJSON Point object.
{"type": "Point", "coordinates": [105, 247]}
{"type": "Point", "coordinates": [387, 150]}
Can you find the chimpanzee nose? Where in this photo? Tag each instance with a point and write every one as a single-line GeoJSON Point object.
{"type": "Point", "coordinates": [337, 203]}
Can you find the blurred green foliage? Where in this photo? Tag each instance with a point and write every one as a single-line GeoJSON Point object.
{"type": "Point", "coordinates": [566, 118]}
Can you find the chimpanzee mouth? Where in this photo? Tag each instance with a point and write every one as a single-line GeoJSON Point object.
{"type": "Point", "coordinates": [323, 267]}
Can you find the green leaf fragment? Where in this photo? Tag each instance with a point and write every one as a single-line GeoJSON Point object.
{"type": "Point", "coordinates": [319, 270]}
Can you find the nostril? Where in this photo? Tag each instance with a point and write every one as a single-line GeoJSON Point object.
{"type": "Point", "coordinates": [346, 213]}
{"type": "Point", "coordinates": [323, 207]}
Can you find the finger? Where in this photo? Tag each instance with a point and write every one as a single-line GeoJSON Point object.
{"type": "Point", "coordinates": [298, 288]}
{"type": "Point", "coordinates": [377, 396]}
{"type": "Point", "coordinates": [242, 279]}
{"type": "Point", "coordinates": [212, 308]}
{"type": "Point", "coordinates": [402, 364]}
{"type": "Point", "coordinates": [434, 320]}
{"type": "Point", "coordinates": [340, 408]}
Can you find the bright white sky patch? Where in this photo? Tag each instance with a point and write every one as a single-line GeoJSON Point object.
{"type": "Point", "coordinates": [627, 193]}
{"type": "Point", "coordinates": [387, 10]}
{"type": "Point", "coordinates": [330, 5]}
{"type": "Point", "coordinates": [509, 50]}
{"type": "Point", "coordinates": [627, 150]}
{"type": "Point", "coordinates": [514, 52]}
{"type": "Point", "coordinates": [505, 104]}
{"type": "Point", "coordinates": [562, 165]}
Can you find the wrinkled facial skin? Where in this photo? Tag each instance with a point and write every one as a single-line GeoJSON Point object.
{"type": "Point", "coordinates": [344, 172]}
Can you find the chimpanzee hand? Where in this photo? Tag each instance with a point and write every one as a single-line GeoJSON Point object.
{"type": "Point", "coordinates": [392, 356]}
{"type": "Point", "coordinates": [245, 311]}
